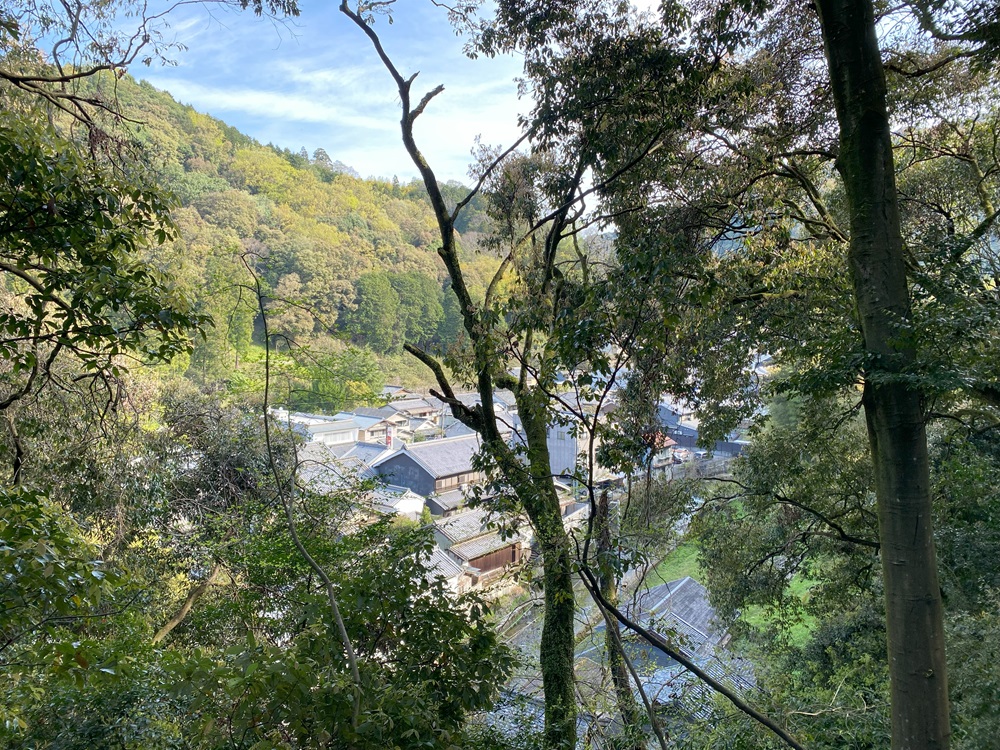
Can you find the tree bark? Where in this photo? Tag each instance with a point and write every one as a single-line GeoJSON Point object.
{"type": "Point", "coordinates": [607, 582]}
{"type": "Point", "coordinates": [893, 408]}
{"type": "Point", "coordinates": [556, 650]}
{"type": "Point", "coordinates": [193, 596]}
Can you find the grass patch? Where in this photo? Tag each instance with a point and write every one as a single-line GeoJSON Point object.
{"type": "Point", "coordinates": [683, 561]}
{"type": "Point", "coordinates": [799, 633]}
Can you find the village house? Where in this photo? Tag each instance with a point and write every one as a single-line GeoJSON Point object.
{"type": "Point", "coordinates": [418, 408]}
{"type": "Point", "coordinates": [456, 579]}
{"type": "Point", "coordinates": [327, 469]}
{"type": "Point", "coordinates": [473, 540]}
{"type": "Point", "coordinates": [570, 448]}
{"type": "Point", "coordinates": [434, 466]}
{"type": "Point", "coordinates": [319, 428]}
{"type": "Point", "coordinates": [371, 429]}
{"type": "Point", "coordinates": [395, 393]}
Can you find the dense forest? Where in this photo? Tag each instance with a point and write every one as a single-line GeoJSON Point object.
{"type": "Point", "coordinates": [348, 264]}
{"type": "Point", "coordinates": [766, 226]}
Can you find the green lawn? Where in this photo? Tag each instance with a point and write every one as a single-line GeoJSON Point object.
{"type": "Point", "coordinates": [798, 634]}
{"type": "Point", "coordinates": [682, 562]}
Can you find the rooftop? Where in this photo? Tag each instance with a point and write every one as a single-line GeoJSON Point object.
{"type": "Point", "coordinates": [684, 604]}
{"type": "Point", "coordinates": [482, 545]}
{"type": "Point", "coordinates": [413, 405]}
{"type": "Point", "coordinates": [364, 421]}
{"type": "Point", "coordinates": [444, 457]}
{"type": "Point", "coordinates": [382, 412]}
{"type": "Point", "coordinates": [465, 526]}
{"type": "Point", "coordinates": [449, 500]}
{"type": "Point", "coordinates": [366, 452]}
{"type": "Point", "coordinates": [439, 564]}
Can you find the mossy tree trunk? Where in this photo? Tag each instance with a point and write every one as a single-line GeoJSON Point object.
{"type": "Point", "coordinates": [530, 479]}
{"type": "Point", "coordinates": [607, 579]}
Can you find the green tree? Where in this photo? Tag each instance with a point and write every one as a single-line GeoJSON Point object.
{"type": "Point", "coordinates": [420, 308]}
{"type": "Point", "coordinates": [74, 281]}
{"type": "Point", "coordinates": [777, 191]}
{"type": "Point", "coordinates": [375, 318]}
{"type": "Point", "coordinates": [337, 381]}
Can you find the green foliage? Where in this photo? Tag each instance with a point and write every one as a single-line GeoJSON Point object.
{"type": "Point", "coordinates": [309, 229]}
{"type": "Point", "coordinates": [973, 650]}
{"type": "Point", "coordinates": [50, 572]}
{"type": "Point", "coordinates": [374, 319]}
{"type": "Point", "coordinates": [80, 664]}
{"type": "Point", "coordinates": [420, 308]}
{"type": "Point", "coordinates": [679, 563]}
{"type": "Point", "coordinates": [426, 659]}
{"type": "Point", "coordinates": [74, 282]}
{"type": "Point", "coordinates": [337, 381]}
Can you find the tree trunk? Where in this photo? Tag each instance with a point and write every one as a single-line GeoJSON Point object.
{"type": "Point", "coordinates": [556, 651]}
{"type": "Point", "coordinates": [192, 598]}
{"type": "Point", "coordinates": [893, 409]}
{"type": "Point", "coordinates": [607, 582]}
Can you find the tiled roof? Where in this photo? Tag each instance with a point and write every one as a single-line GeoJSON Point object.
{"type": "Point", "coordinates": [481, 545]}
{"type": "Point", "coordinates": [447, 456]}
{"type": "Point", "coordinates": [340, 425]}
{"type": "Point", "coordinates": [412, 404]}
{"type": "Point", "coordinates": [457, 429]}
{"type": "Point", "coordinates": [504, 397]}
{"type": "Point", "coordinates": [364, 421]}
{"type": "Point", "coordinates": [439, 564]}
{"type": "Point", "coordinates": [370, 411]}
{"type": "Point", "coordinates": [684, 605]}
{"type": "Point", "coordinates": [366, 452]}
{"type": "Point", "coordinates": [469, 399]}
{"type": "Point", "coordinates": [392, 496]}
{"type": "Point", "coordinates": [465, 526]}
{"type": "Point", "coordinates": [449, 500]}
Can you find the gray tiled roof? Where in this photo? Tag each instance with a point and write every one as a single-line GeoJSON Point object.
{"type": "Point", "coordinates": [469, 399]}
{"type": "Point", "coordinates": [370, 411]}
{"type": "Point", "coordinates": [482, 545]}
{"type": "Point", "coordinates": [449, 500]}
{"type": "Point", "coordinates": [323, 471]}
{"type": "Point", "coordinates": [448, 456]}
{"type": "Point", "coordinates": [366, 452]}
{"type": "Point", "coordinates": [457, 429]}
{"type": "Point", "coordinates": [392, 496]}
{"type": "Point", "coordinates": [362, 420]}
{"type": "Point", "coordinates": [412, 404]}
{"type": "Point", "coordinates": [505, 397]}
{"type": "Point", "coordinates": [439, 564]}
{"type": "Point", "coordinates": [684, 606]}
{"type": "Point", "coordinates": [465, 526]}
{"type": "Point", "coordinates": [340, 425]}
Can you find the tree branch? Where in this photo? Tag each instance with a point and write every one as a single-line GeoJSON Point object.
{"type": "Point", "coordinates": [656, 640]}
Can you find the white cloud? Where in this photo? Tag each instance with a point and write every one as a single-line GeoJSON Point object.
{"type": "Point", "coordinates": [318, 82]}
{"type": "Point", "coordinates": [268, 104]}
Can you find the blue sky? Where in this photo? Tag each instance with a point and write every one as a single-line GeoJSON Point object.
{"type": "Point", "coordinates": [315, 81]}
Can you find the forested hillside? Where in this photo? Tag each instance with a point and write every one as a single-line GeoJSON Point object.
{"type": "Point", "coordinates": [342, 260]}
{"type": "Point", "coordinates": [769, 394]}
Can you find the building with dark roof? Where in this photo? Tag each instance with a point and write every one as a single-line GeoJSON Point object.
{"type": "Point", "coordinates": [434, 466]}
{"type": "Point", "coordinates": [683, 605]}
{"type": "Point", "coordinates": [474, 541]}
